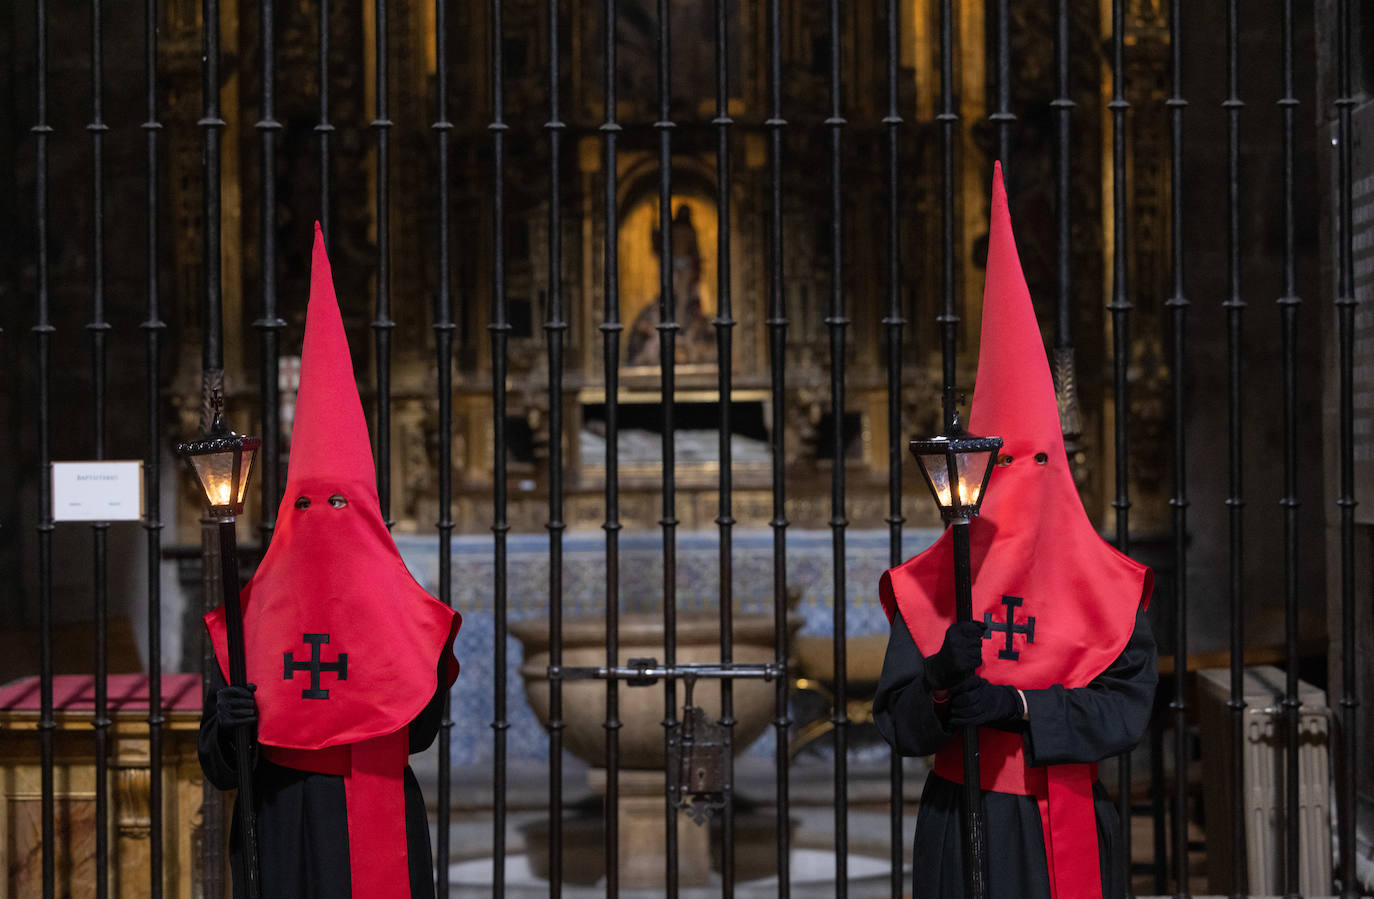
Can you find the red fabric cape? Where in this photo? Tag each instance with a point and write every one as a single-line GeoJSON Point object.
{"type": "Point", "coordinates": [1032, 542]}
{"type": "Point", "coordinates": [333, 592]}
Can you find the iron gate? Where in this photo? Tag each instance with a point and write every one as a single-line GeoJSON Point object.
{"type": "Point", "coordinates": [781, 315]}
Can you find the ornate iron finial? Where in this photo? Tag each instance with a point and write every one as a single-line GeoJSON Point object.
{"type": "Point", "coordinates": [217, 408]}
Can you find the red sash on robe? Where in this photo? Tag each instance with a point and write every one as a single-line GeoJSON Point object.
{"type": "Point", "coordinates": [1064, 795]}
{"type": "Point", "coordinates": [373, 773]}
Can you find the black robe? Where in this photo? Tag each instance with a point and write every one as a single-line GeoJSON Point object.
{"type": "Point", "coordinates": [1086, 724]}
{"type": "Point", "coordinates": [302, 817]}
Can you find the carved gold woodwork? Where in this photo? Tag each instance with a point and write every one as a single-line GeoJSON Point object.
{"type": "Point", "coordinates": [806, 263]}
{"type": "Point", "coordinates": [130, 818]}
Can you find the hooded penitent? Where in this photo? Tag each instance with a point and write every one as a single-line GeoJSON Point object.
{"type": "Point", "coordinates": [343, 645]}
{"type": "Point", "coordinates": [1060, 602]}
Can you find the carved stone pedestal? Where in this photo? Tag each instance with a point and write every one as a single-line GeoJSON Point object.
{"type": "Point", "coordinates": [643, 831]}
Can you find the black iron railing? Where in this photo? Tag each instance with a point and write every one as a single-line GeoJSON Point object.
{"type": "Point", "coordinates": [1235, 500]}
{"type": "Point", "coordinates": [777, 323]}
{"type": "Point", "coordinates": [837, 324]}
{"type": "Point", "coordinates": [43, 332]}
{"type": "Point", "coordinates": [212, 127]}
{"type": "Point", "coordinates": [98, 328]}
{"type": "Point", "coordinates": [1289, 304]}
{"type": "Point", "coordinates": [669, 135]}
{"type": "Point", "coordinates": [1345, 338]}
{"type": "Point", "coordinates": [443, 364]}
{"type": "Point", "coordinates": [610, 333]}
{"type": "Point", "coordinates": [893, 323]}
{"type": "Point", "coordinates": [153, 328]}
{"type": "Point", "coordinates": [1120, 308]}
{"type": "Point", "coordinates": [725, 324]}
{"type": "Point", "coordinates": [1178, 303]}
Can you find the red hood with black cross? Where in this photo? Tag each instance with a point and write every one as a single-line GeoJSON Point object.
{"type": "Point", "coordinates": [1060, 601]}
{"type": "Point", "coordinates": [341, 641]}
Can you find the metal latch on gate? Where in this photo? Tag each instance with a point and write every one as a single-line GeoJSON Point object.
{"type": "Point", "coordinates": [697, 759]}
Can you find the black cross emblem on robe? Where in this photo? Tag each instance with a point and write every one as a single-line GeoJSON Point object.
{"type": "Point", "coordinates": [1010, 629]}
{"type": "Point", "coordinates": [315, 666]}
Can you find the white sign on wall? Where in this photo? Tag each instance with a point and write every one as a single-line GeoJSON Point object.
{"type": "Point", "coordinates": [97, 491]}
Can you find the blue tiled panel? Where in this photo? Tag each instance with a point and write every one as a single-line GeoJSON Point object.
{"type": "Point", "coordinates": [641, 572]}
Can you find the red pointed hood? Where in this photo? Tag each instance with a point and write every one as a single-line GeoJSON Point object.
{"type": "Point", "coordinates": [1013, 397]}
{"type": "Point", "coordinates": [329, 442]}
{"type": "Point", "coordinates": [332, 569]}
{"type": "Point", "coordinates": [1033, 541]}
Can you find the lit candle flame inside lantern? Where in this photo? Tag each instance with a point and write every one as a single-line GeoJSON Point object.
{"type": "Point", "coordinates": [964, 493]}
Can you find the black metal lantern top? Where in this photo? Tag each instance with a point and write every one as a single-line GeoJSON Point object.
{"type": "Point", "coordinates": [957, 466]}
{"type": "Point", "coordinates": [221, 461]}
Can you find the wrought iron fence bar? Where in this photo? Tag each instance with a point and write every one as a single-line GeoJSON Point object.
{"type": "Point", "coordinates": [652, 671]}
{"type": "Point", "coordinates": [1003, 118]}
{"type": "Point", "coordinates": [667, 355]}
{"type": "Point", "coordinates": [212, 130]}
{"type": "Point", "coordinates": [323, 129]}
{"type": "Point", "coordinates": [99, 329]}
{"type": "Point", "coordinates": [1289, 306]}
{"type": "Point", "coordinates": [1178, 372]}
{"type": "Point", "coordinates": [1159, 862]}
{"type": "Point", "coordinates": [382, 324]}
{"type": "Point", "coordinates": [1235, 500]}
{"type": "Point", "coordinates": [500, 333]}
{"type": "Point", "coordinates": [443, 363]}
{"type": "Point", "coordinates": [152, 328]}
{"type": "Point", "coordinates": [269, 325]}
{"type": "Point", "coordinates": [1345, 339]}
{"type": "Point", "coordinates": [724, 324]}
{"type": "Point", "coordinates": [893, 323]}
{"type": "Point", "coordinates": [777, 361]}
{"type": "Point", "coordinates": [212, 378]}
{"type": "Point", "coordinates": [610, 332]}
{"type": "Point", "coordinates": [556, 329]}
{"type": "Point", "coordinates": [1158, 812]}
{"type": "Point", "coordinates": [1120, 307]}
{"type": "Point", "coordinates": [948, 319]}
{"type": "Point", "coordinates": [43, 332]}
{"type": "Point", "coordinates": [1062, 107]}
{"type": "Point", "coordinates": [836, 322]}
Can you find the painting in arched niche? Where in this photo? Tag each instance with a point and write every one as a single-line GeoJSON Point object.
{"type": "Point", "coordinates": [692, 239]}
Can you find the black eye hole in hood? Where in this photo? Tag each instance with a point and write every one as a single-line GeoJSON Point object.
{"type": "Point", "coordinates": [302, 502]}
{"type": "Point", "coordinates": [338, 501]}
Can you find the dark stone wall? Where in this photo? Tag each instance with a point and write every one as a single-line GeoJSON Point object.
{"type": "Point", "coordinates": [70, 296]}
{"type": "Point", "coordinates": [1207, 287]}
{"type": "Point", "coordinates": [1362, 158]}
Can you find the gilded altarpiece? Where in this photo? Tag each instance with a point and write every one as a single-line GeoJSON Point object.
{"type": "Point", "coordinates": [806, 242]}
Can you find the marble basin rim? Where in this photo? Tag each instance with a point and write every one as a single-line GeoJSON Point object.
{"type": "Point", "coordinates": [641, 708]}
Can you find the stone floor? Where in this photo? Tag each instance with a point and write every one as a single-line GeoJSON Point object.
{"type": "Point", "coordinates": [812, 810]}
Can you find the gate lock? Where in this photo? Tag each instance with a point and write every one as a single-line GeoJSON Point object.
{"type": "Point", "coordinates": [698, 761]}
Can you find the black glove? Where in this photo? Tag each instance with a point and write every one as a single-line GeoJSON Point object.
{"type": "Point", "coordinates": [960, 655]}
{"type": "Point", "coordinates": [975, 702]}
{"type": "Point", "coordinates": [235, 707]}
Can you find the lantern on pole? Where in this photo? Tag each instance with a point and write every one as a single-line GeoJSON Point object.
{"type": "Point", "coordinates": [221, 462]}
{"type": "Point", "coordinates": [957, 466]}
